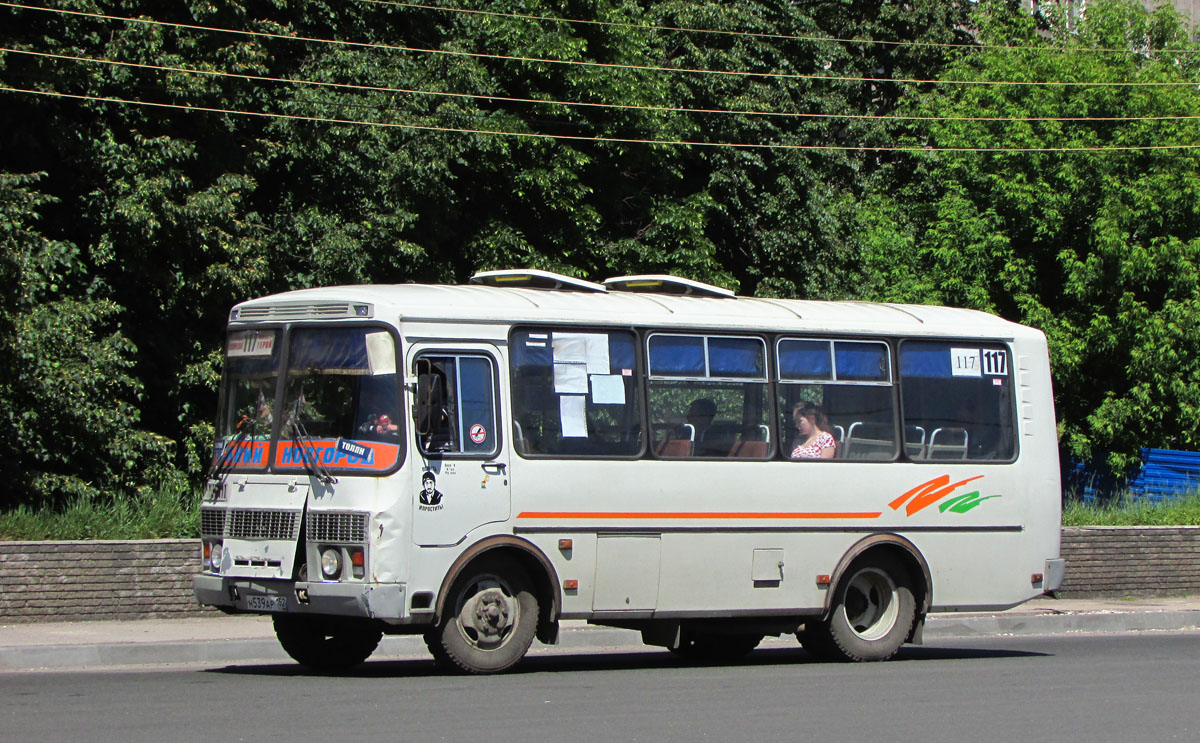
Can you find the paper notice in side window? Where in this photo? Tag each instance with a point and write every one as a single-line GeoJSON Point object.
{"type": "Point", "coordinates": [964, 362]}
{"type": "Point", "coordinates": [570, 348]}
{"type": "Point", "coordinates": [608, 389]}
{"type": "Point", "coordinates": [570, 379]}
{"type": "Point", "coordinates": [573, 413]}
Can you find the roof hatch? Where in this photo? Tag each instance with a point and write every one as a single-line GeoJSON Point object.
{"type": "Point", "coordinates": [531, 278]}
{"type": "Point", "coordinates": [664, 284]}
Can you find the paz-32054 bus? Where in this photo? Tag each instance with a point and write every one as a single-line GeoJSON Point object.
{"type": "Point", "coordinates": [476, 463]}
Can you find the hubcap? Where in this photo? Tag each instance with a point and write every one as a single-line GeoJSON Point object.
{"type": "Point", "coordinates": [871, 604]}
{"type": "Point", "coordinates": [488, 614]}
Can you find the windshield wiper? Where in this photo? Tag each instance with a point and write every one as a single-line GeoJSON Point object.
{"type": "Point", "coordinates": [228, 456]}
{"type": "Point", "coordinates": [301, 439]}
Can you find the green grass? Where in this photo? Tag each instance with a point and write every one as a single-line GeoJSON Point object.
{"type": "Point", "coordinates": [170, 512]}
{"type": "Point", "coordinates": [173, 512]}
{"type": "Point", "coordinates": [1129, 510]}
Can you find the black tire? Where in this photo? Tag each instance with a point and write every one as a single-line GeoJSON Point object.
{"type": "Point", "coordinates": [490, 618]}
{"type": "Point", "coordinates": [433, 641]}
{"type": "Point", "coordinates": [716, 648]}
{"type": "Point", "coordinates": [326, 644]}
{"type": "Point", "coordinates": [873, 613]}
{"type": "Point", "coordinates": [814, 638]}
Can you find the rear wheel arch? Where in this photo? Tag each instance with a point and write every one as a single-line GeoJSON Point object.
{"type": "Point", "coordinates": [526, 555]}
{"type": "Point", "coordinates": [901, 551]}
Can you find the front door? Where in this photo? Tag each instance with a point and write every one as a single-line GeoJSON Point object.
{"type": "Point", "coordinates": [461, 481]}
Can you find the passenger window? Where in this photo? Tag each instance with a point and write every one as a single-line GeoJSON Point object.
{"type": "Point", "coordinates": [575, 393]}
{"type": "Point", "coordinates": [958, 401]}
{"type": "Point", "coordinates": [708, 396]}
{"type": "Point", "coordinates": [835, 400]}
{"type": "Point", "coordinates": [455, 409]}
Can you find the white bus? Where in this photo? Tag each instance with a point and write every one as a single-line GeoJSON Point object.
{"type": "Point", "coordinates": [476, 463]}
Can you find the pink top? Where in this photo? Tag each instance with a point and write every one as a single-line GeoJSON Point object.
{"type": "Point", "coordinates": [813, 451]}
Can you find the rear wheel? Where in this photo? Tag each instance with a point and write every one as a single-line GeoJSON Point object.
{"type": "Point", "coordinates": [326, 644]}
{"type": "Point", "coordinates": [873, 613]}
{"type": "Point", "coordinates": [490, 620]}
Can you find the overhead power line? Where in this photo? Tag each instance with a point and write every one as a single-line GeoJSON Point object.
{"type": "Point", "coordinates": [765, 34]}
{"type": "Point", "coordinates": [588, 104]}
{"type": "Point", "coordinates": [602, 139]}
{"type": "Point", "coordinates": [606, 65]}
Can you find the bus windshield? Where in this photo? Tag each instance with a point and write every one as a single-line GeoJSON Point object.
{"type": "Point", "coordinates": [251, 374]}
{"type": "Point", "coordinates": [340, 405]}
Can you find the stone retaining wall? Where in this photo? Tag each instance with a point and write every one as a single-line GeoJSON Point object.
{"type": "Point", "coordinates": [56, 581]}
{"type": "Point", "coordinates": [76, 581]}
{"type": "Point", "coordinates": [1113, 561]}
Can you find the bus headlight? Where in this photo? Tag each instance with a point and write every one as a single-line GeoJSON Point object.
{"type": "Point", "coordinates": [331, 563]}
{"type": "Point", "coordinates": [212, 557]}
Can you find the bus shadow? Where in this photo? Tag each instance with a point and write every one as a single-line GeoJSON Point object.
{"type": "Point", "coordinates": [620, 660]}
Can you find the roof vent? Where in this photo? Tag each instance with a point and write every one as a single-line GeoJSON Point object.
{"type": "Point", "coordinates": [302, 311]}
{"type": "Point", "coordinates": [663, 284]}
{"type": "Point", "coordinates": [531, 278]}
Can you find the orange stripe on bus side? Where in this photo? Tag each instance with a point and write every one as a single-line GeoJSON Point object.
{"type": "Point", "coordinates": [696, 515]}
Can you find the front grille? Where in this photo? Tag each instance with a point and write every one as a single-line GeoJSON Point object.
{"type": "Point", "coordinates": [337, 527]}
{"type": "Point", "coordinates": [262, 524]}
{"type": "Point", "coordinates": [212, 522]}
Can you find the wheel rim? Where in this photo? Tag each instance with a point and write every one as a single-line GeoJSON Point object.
{"type": "Point", "coordinates": [488, 614]}
{"type": "Point", "coordinates": [871, 604]}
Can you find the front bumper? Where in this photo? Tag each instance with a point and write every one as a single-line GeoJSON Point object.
{"type": "Point", "coordinates": [383, 601]}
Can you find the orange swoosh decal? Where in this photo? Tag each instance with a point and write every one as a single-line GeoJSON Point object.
{"type": "Point", "coordinates": [928, 493]}
{"type": "Point", "coordinates": [692, 515]}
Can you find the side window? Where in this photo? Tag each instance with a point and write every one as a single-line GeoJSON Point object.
{"type": "Point", "coordinates": [708, 396]}
{"type": "Point", "coordinates": [575, 393]}
{"type": "Point", "coordinates": [835, 399]}
{"type": "Point", "coordinates": [456, 410]}
{"type": "Point", "coordinates": [958, 400]}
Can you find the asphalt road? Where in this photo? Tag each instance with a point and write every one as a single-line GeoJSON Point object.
{"type": "Point", "coordinates": [1118, 687]}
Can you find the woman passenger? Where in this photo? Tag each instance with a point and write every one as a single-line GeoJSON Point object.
{"type": "Point", "coordinates": [816, 436]}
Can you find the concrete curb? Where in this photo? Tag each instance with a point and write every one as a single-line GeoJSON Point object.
{"type": "Point", "coordinates": [100, 655]}
{"type": "Point", "coordinates": [976, 625]}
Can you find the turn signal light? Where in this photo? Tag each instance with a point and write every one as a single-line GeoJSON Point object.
{"type": "Point", "coordinates": [570, 585]}
{"type": "Point", "coordinates": [1036, 579]}
{"type": "Point", "coordinates": [823, 580]}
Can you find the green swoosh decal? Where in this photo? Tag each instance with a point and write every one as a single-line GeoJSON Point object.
{"type": "Point", "coordinates": [964, 503]}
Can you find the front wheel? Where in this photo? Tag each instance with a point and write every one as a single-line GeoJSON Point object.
{"type": "Point", "coordinates": [873, 613]}
{"type": "Point", "coordinates": [491, 618]}
{"type": "Point", "coordinates": [326, 644]}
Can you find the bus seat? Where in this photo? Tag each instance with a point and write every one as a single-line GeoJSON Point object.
{"type": "Point", "coordinates": [749, 450]}
{"type": "Point", "coordinates": [674, 448]}
{"type": "Point", "coordinates": [718, 440]}
{"type": "Point", "coordinates": [519, 443]}
{"type": "Point", "coordinates": [872, 441]}
{"type": "Point", "coordinates": [914, 441]}
{"type": "Point", "coordinates": [949, 442]}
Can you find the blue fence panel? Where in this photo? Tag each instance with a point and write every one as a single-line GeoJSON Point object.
{"type": "Point", "coordinates": [1162, 474]}
{"type": "Point", "coordinates": [1166, 474]}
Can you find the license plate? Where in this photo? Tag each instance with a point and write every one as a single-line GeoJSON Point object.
{"type": "Point", "coordinates": [266, 603]}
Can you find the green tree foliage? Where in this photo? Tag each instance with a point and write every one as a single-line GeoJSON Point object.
{"type": "Point", "coordinates": [337, 142]}
{"type": "Point", "coordinates": [1099, 249]}
{"type": "Point", "coordinates": [67, 395]}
